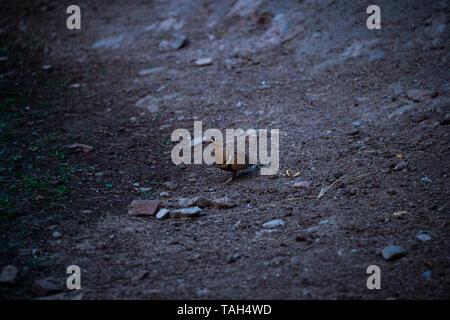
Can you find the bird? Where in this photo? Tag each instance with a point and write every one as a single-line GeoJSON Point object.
{"type": "Point", "coordinates": [227, 159]}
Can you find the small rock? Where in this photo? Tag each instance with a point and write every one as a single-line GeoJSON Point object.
{"type": "Point", "coordinates": [174, 44]}
{"type": "Point", "coordinates": [4, 59]}
{"type": "Point", "coordinates": [44, 287]}
{"type": "Point", "coordinates": [223, 203]}
{"type": "Point", "coordinates": [267, 232]}
{"type": "Point", "coordinates": [203, 61]}
{"type": "Point", "coordinates": [423, 237]}
{"type": "Point", "coordinates": [163, 214]}
{"type": "Point", "coordinates": [302, 184]}
{"type": "Point", "coordinates": [146, 72]}
{"type": "Point", "coordinates": [75, 85]}
{"type": "Point", "coordinates": [170, 185]}
{"type": "Point", "coordinates": [420, 95]}
{"type": "Point", "coordinates": [56, 235]}
{"type": "Point", "coordinates": [46, 67]}
{"type": "Point", "coordinates": [185, 213]}
{"type": "Point", "coordinates": [274, 224]}
{"type": "Point", "coordinates": [199, 202]}
{"type": "Point", "coordinates": [184, 202]}
{"type": "Point", "coordinates": [401, 111]}
{"type": "Point", "coordinates": [8, 274]}
{"type": "Point", "coordinates": [148, 102]}
{"type": "Point", "coordinates": [144, 207]}
{"type": "Point", "coordinates": [164, 194]}
{"type": "Point", "coordinates": [393, 252]}
{"type": "Point", "coordinates": [401, 165]}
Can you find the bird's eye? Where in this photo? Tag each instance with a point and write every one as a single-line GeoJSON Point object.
{"type": "Point", "coordinates": [213, 139]}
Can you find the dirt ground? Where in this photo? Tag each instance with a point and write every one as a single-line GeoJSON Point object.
{"type": "Point", "coordinates": [76, 150]}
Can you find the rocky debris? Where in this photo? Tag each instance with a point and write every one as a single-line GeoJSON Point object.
{"type": "Point", "coordinates": [170, 24]}
{"type": "Point", "coordinates": [401, 165]}
{"type": "Point", "coordinates": [185, 213]}
{"type": "Point", "coordinates": [177, 42]}
{"type": "Point", "coordinates": [75, 85]}
{"type": "Point", "coordinates": [302, 184]}
{"type": "Point", "coordinates": [8, 274]}
{"type": "Point", "coordinates": [393, 252]}
{"type": "Point", "coordinates": [262, 233]}
{"type": "Point", "coordinates": [420, 95]}
{"type": "Point", "coordinates": [163, 214]}
{"type": "Point", "coordinates": [423, 237]}
{"type": "Point", "coordinates": [274, 224]}
{"type": "Point", "coordinates": [170, 185]}
{"type": "Point", "coordinates": [56, 235]}
{"type": "Point", "coordinates": [244, 8]}
{"type": "Point", "coordinates": [358, 48]}
{"type": "Point", "coordinates": [203, 61]}
{"type": "Point", "coordinates": [44, 287]}
{"type": "Point", "coordinates": [146, 72]}
{"type": "Point", "coordinates": [144, 207]}
{"type": "Point", "coordinates": [47, 67]}
{"type": "Point", "coordinates": [285, 27]}
{"type": "Point", "coordinates": [223, 203]}
{"type": "Point", "coordinates": [401, 111]}
{"type": "Point", "coordinates": [109, 42]}
{"type": "Point", "coordinates": [148, 102]}
{"type": "Point", "coordinates": [164, 194]}
{"type": "Point", "coordinates": [199, 202]}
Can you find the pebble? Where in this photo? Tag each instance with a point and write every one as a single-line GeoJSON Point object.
{"type": "Point", "coordinates": [423, 237]}
{"type": "Point", "coordinates": [419, 94]}
{"type": "Point", "coordinates": [176, 43]}
{"type": "Point", "coordinates": [46, 67]}
{"type": "Point", "coordinates": [401, 165]}
{"type": "Point", "coordinates": [8, 274]}
{"type": "Point", "coordinates": [163, 214]}
{"type": "Point", "coordinates": [144, 207]}
{"type": "Point", "coordinates": [274, 224]}
{"type": "Point", "coordinates": [170, 185]}
{"type": "Point", "coordinates": [267, 232]}
{"type": "Point", "coordinates": [44, 287]}
{"type": "Point", "coordinates": [148, 102]}
{"type": "Point", "coordinates": [185, 213]}
{"type": "Point", "coordinates": [302, 184]}
{"type": "Point", "coordinates": [146, 72]}
{"type": "Point", "coordinates": [393, 252]}
{"type": "Point", "coordinates": [224, 203]}
{"type": "Point", "coordinates": [203, 61]}
{"type": "Point", "coordinates": [164, 194]}
{"type": "Point", "coordinates": [201, 202]}
{"type": "Point", "coordinates": [401, 111]}
{"type": "Point", "coordinates": [56, 235]}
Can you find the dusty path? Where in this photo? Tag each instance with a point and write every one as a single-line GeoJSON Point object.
{"type": "Point", "coordinates": [311, 69]}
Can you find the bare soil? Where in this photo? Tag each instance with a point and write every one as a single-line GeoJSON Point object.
{"type": "Point", "coordinates": [322, 78]}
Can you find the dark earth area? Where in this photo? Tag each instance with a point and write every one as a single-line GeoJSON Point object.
{"type": "Point", "coordinates": [78, 145]}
